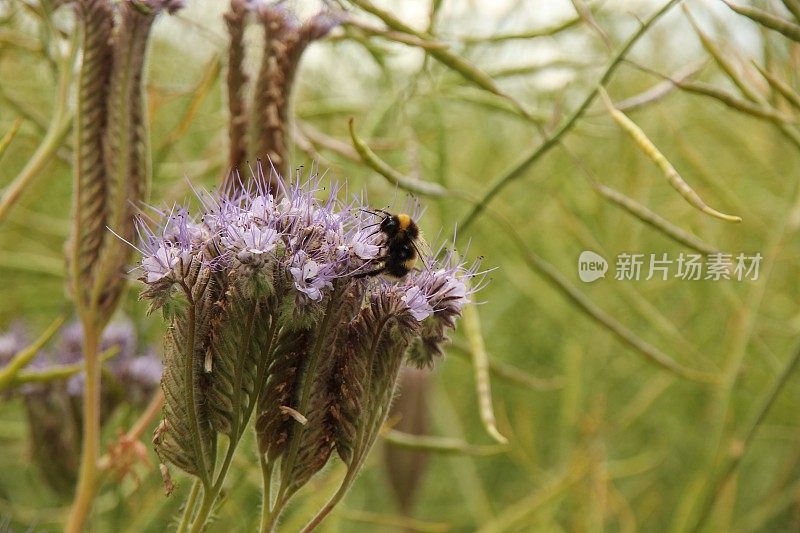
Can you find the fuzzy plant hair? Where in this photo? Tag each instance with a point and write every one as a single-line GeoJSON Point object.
{"type": "Point", "coordinates": [268, 319]}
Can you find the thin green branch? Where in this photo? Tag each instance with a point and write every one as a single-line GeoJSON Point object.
{"type": "Point", "coordinates": [6, 139]}
{"type": "Point", "coordinates": [742, 444]}
{"type": "Point", "coordinates": [87, 487]}
{"type": "Point", "coordinates": [394, 523]}
{"type": "Point", "coordinates": [509, 373]}
{"type": "Point", "coordinates": [524, 35]}
{"type": "Point", "coordinates": [440, 445]}
{"type": "Point", "coordinates": [768, 20]}
{"type": "Point", "coordinates": [557, 280]}
{"type": "Point", "coordinates": [447, 57]}
{"type": "Point", "coordinates": [551, 140]}
{"type": "Point", "coordinates": [58, 129]}
{"type": "Point", "coordinates": [10, 372]}
{"type": "Point", "coordinates": [188, 507]}
{"type": "Point", "coordinates": [58, 372]}
{"type": "Point", "coordinates": [422, 188]}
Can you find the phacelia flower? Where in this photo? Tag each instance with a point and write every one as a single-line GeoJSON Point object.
{"type": "Point", "coordinates": [310, 277]}
{"type": "Point", "coordinates": [272, 299]}
{"type": "Point", "coordinates": [417, 303]}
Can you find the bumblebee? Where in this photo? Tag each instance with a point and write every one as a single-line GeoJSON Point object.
{"type": "Point", "coordinates": [401, 249]}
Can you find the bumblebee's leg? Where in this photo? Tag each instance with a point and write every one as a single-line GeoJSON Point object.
{"type": "Point", "coordinates": [375, 271]}
{"type": "Point", "coordinates": [370, 273]}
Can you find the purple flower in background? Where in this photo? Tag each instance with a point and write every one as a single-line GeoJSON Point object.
{"type": "Point", "coordinates": [138, 374]}
{"type": "Point", "coordinates": [12, 341]}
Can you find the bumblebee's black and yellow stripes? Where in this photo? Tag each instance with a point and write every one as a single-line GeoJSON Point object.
{"type": "Point", "coordinates": [400, 247]}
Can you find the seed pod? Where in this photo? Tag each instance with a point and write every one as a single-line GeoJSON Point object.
{"type": "Point", "coordinates": [285, 42]}
{"type": "Point", "coordinates": [768, 20]}
{"type": "Point", "coordinates": [650, 149]}
{"type": "Point", "coordinates": [273, 425]}
{"type": "Point", "coordinates": [96, 19]}
{"type": "Point", "coordinates": [237, 338]}
{"type": "Point", "coordinates": [184, 437]}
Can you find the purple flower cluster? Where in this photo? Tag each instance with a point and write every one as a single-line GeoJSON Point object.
{"type": "Point", "coordinates": [310, 242]}
{"type": "Point", "coordinates": [53, 406]}
{"type": "Point", "coordinates": [270, 314]}
{"type": "Point", "coordinates": [137, 374]}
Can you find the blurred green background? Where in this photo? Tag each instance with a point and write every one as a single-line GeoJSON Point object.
{"type": "Point", "coordinates": [599, 438]}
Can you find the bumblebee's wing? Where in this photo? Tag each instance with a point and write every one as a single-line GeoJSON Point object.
{"type": "Point", "coordinates": [423, 250]}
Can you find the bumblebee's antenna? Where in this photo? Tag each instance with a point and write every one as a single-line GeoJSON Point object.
{"type": "Point", "coordinates": [377, 214]}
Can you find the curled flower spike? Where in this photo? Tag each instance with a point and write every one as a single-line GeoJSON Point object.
{"type": "Point", "coordinates": [268, 315]}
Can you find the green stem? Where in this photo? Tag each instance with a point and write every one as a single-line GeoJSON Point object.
{"type": "Point", "coordinates": [266, 490]}
{"type": "Point", "coordinates": [9, 374]}
{"type": "Point", "coordinates": [269, 519]}
{"type": "Point", "coordinates": [188, 510]}
{"type": "Point", "coordinates": [355, 467]}
{"type": "Point", "coordinates": [52, 141]}
{"type": "Point", "coordinates": [190, 399]}
{"type": "Point", "coordinates": [87, 480]}
{"type": "Point", "coordinates": [238, 422]}
{"type": "Point", "coordinates": [57, 373]}
{"type": "Point", "coordinates": [210, 495]}
{"type": "Point", "coordinates": [340, 493]}
{"type": "Point", "coordinates": [266, 467]}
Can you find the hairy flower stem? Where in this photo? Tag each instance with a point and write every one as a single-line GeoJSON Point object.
{"type": "Point", "coordinates": [87, 480]}
{"type": "Point", "coordinates": [238, 422]}
{"type": "Point", "coordinates": [188, 509]}
{"type": "Point", "coordinates": [190, 398]}
{"type": "Point", "coordinates": [334, 500]}
{"type": "Point", "coordinates": [269, 517]}
{"type": "Point", "coordinates": [364, 439]}
{"type": "Point", "coordinates": [210, 495]}
{"type": "Point", "coordinates": [271, 513]}
{"type": "Point", "coordinates": [266, 492]}
{"type": "Point", "coordinates": [352, 471]}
